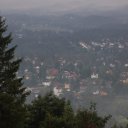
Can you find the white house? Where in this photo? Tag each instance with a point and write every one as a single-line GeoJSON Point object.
{"type": "Point", "coordinates": [96, 92]}
{"type": "Point", "coordinates": [46, 83]}
{"type": "Point", "coordinates": [57, 91]}
{"type": "Point", "coordinates": [67, 87]}
{"type": "Point", "coordinates": [94, 76]}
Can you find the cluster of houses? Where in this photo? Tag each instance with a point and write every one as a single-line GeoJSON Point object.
{"type": "Point", "coordinates": [103, 44]}
{"type": "Point", "coordinates": [63, 81]}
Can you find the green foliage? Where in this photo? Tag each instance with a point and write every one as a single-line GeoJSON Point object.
{"type": "Point", "coordinates": [89, 118]}
{"type": "Point", "coordinates": [84, 71]}
{"type": "Point", "coordinates": [68, 116]}
{"type": "Point", "coordinates": [50, 111]}
{"type": "Point", "coordinates": [12, 92]}
{"type": "Point", "coordinates": [52, 121]}
{"type": "Point", "coordinates": [116, 126]}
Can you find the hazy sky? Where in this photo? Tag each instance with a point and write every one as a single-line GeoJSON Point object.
{"type": "Point", "coordinates": [62, 4]}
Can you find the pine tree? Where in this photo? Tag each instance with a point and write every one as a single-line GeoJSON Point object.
{"type": "Point", "coordinates": [12, 92]}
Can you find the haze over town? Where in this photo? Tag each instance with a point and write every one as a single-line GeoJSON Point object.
{"type": "Point", "coordinates": [63, 5]}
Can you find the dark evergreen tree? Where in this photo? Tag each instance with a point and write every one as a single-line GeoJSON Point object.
{"type": "Point", "coordinates": [12, 92]}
